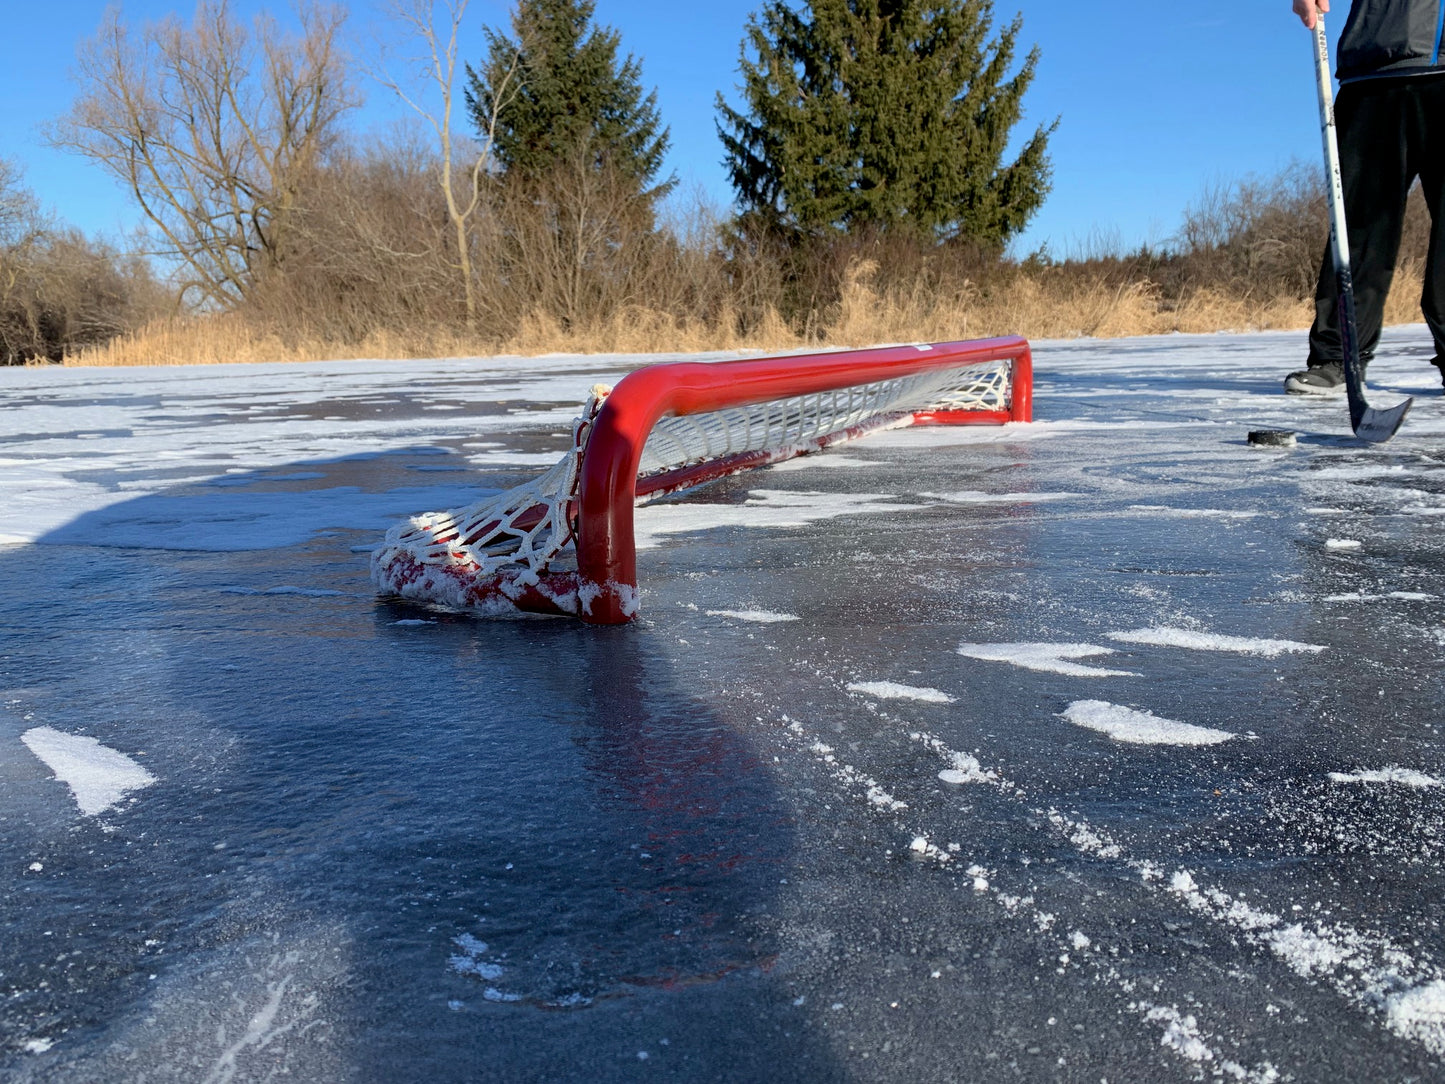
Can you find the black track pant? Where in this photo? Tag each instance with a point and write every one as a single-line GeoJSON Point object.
{"type": "Point", "coordinates": [1391, 130]}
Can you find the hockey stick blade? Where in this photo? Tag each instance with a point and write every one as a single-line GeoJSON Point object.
{"type": "Point", "coordinates": [1371, 424]}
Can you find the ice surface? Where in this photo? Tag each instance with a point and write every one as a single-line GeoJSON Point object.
{"type": "Point", "coordinates": [382, 842]}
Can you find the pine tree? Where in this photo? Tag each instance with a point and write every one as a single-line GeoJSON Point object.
{"type": "Point", "coordinates": [891, 115]}
{"type": "Point", "coordinates": [556, 94]}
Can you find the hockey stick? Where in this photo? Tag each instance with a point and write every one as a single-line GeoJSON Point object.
{"type": "Point", "coordinates": [1369, 423]}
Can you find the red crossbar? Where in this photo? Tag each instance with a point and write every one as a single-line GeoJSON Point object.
{"type": "Point", "coordinates": [606, 557]}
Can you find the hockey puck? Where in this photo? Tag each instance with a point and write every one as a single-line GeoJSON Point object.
{"type": "Point", "coordinates": [1272, 438]}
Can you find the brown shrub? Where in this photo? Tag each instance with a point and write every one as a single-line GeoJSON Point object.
{"type": "Point", "coordinates": [572, 267]}
{"type": "Point", "coordinates": [59, 292]}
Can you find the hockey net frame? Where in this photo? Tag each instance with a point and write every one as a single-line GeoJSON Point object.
{"type": "Point", "coordinates": [563, 543]}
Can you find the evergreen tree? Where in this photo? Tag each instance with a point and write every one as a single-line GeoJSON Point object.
{"type": "Point", "coordinates": [556, 95]}
{"type": "Point", "coordinates": [891, 115]}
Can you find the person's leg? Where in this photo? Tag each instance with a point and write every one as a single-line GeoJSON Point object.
{"type": "Point", "coordinates": [1372, 120]}
{"type": "Point", "coordinates": [1428, 145]}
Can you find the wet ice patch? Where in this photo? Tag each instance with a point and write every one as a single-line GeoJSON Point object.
{"type": "Point", "coordinates": [1139, 727]}
{"type": "Point", "coordinates": [1401, 776]}
{"type": "Point", "coordinates": [761, 617]}
{"type": "Point", "coordinates": [1051, 658]}
{"type": "Point", "coordinates": [1211, 641]}
{"type": "Point", "coordinates": [98, 777]}
{"type": "Point", "coordinates": [892, 690]}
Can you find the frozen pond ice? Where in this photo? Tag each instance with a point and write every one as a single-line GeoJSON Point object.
{"type": "Point", "coordinates": [825, 812]}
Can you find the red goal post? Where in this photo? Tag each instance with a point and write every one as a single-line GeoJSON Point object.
{"type": "Point", "coordinates": [706, 419]}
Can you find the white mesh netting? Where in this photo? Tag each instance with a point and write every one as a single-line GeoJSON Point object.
{"type": "Point", "coordinates": [785, 423]}
{"type": "Point", "coordinates": [523, 530]}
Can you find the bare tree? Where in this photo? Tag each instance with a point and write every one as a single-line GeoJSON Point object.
{"type": "Point", "coordinates": [213, 128]}
{"type": "Point", "coordinates": [461, 182]}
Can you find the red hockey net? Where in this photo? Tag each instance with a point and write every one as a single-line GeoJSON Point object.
{"type": "Point", "coordinates": [563, 543]}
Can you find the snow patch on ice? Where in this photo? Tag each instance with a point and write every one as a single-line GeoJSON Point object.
{"type": "Point", "coordinates": [1139, 727]}
{"type": "Point", "coordinates": [469, 961]}
{"type": "Point", "coordinates": [1051, 658]}
{"type": "Point", "coordinates": [962, 767]}
{"type": "Point", "coordinates": [967, 769]}
{"type": "Point", "coordinates": [764, 508]}
{"type": "Point", "coordinates": [1395, 596]}
{"type": "Point", "coordinates": [1084, 837]}
{"type": "Point", "coordinates": [1193, 513]}
{"type": "Point", "coordinates": [1393, 774]}
{"type": "Point", "coordinates": [876, 795]}
{"type": "Point", "coordinates": [98, 777]}
{"type": "Point", "coordinates": [1417, 1008]}
{"type": "Point", "coordinates": [1307, 953]}
{"type": "Point", "coordinates": [762, 617]}
{"type": "Point", "coordinates": [803, 462]}
{"type": "Point", "coordinates": [921, 845]}
{"type": "Point", "coordinates": [1182, 1034]}
{"type": "Point", "coordinates": [892, 690]}
{"type": "Point", "coordinates": [1343, 543]}
{"type": "Point", "coordinates": [973, 496]}
{"type": "Point", "coordinates": [1211, 641]}
{"type": "Point", "coordinates": [1353, 474]}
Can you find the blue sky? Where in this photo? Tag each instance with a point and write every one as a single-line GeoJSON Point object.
{"type": "Point", "coordinates": [1155, 101]}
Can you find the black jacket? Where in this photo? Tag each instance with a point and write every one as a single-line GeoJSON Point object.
{"type": "Point", "coordinates": [1391, 37]}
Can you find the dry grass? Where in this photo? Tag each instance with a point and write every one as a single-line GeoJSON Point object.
{"type": "Point", "coordinates": [369, 275]}
{"type": "Point", "coordinates": [1036, 305]}
{"type": "Point", "coordinates": [220, 339]}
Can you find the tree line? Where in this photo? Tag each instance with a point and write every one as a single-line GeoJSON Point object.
{"type": "Point", "coordinates": [876, 148]}
{"type": "Point", "coordinates": [534, 189]}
